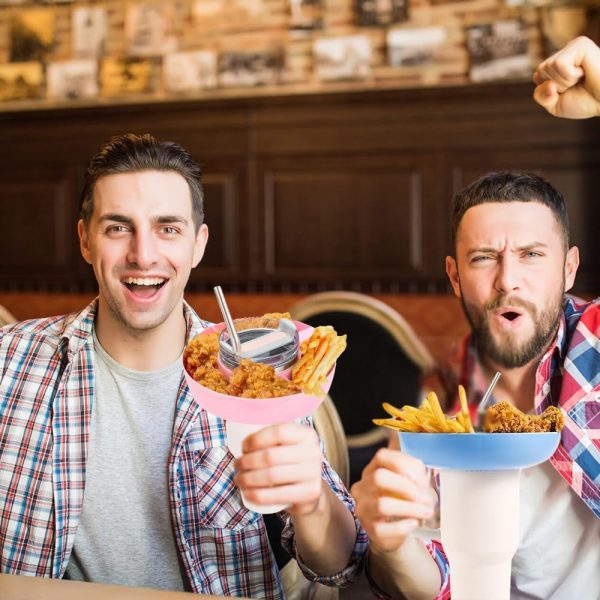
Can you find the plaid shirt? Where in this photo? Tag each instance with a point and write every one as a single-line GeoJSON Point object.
{"type": "Point", "coordinates": [568, 376]}
{"type": "Point", "coordinates": [46, 395]}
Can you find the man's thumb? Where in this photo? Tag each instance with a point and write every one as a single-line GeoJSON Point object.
{"type": "Point", "coordinates": [547, 96]}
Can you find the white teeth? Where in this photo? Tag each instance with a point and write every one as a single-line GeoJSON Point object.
{"type": "Point", "coordinates": [144, 280]}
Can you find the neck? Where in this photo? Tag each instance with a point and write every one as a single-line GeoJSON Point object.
{"type": "Point", "coordinates": [516, 385]}
{"type": "Point", "coordinates": [141, 350]}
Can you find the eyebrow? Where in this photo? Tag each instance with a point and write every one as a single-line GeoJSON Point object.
{"type": "Point", "coordinates": [525, 248]}
{"type": "Point", "coordinates": [162, 219]}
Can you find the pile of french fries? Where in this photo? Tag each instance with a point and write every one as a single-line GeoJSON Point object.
{"type": "Point", "coordinates": [429, 417]}
{"type": "Point", "coordinates": [318, 354]}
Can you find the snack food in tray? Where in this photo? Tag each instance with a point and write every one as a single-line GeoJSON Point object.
{"type": "Point", "coordinates": [502, 417]}
{"type": "Point", "coordinates": [505, 418]}
{"type": "Point", "coordinates": [250, 379]}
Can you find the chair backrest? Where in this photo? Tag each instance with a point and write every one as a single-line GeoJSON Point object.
{"type": "Point", "coordinates": [6, 318]}
{"type": "Point", "coordinates": [329, 426]}
{"type": "Point", "coordinates": [383, 362]}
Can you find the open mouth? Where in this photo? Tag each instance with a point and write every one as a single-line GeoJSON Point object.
{"type": "Point", "coordinates": [510, 315]}
{"type": "Point", "coordinates": [144, 287]}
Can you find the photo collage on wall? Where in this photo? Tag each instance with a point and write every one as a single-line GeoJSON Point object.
{"type": "Point", "coordinates": [156, 47]}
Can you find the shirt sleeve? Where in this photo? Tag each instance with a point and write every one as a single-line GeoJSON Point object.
{"type": "Point", "coordinates": [437, 553]}
{"type": "Point", "coordinates": [356, 562]}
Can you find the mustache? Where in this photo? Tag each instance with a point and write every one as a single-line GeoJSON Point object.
{"type": "Point", "coordinates": [515, 301]}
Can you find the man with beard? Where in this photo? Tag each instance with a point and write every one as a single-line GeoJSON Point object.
{"type": "Point", "coordinates": [109, 470]}
{"type": "Point", "coordinates": [511, 267]}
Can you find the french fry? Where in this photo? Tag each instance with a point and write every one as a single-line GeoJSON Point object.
{"type": "Point", "coordinates": [464, 407]}
{"type": "Point", "coordinates": [317, 356]}
{"type": "Point", "coordinates": [436, 409]}
{"type": "Point", "coordinates": [429, 417]}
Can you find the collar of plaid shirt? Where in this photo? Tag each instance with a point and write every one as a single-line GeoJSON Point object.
{"type": "Point", "coordinates": [568, 376]}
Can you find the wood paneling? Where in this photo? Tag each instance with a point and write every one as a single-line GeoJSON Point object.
{"type": "Point", "coordinates": [369, 222]}
{"type": "Point", "coordinates": [35, 224]}
{"type": "Point", "coordinates": [303, 192]}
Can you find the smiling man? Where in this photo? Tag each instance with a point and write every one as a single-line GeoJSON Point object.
{"type": "Point", "coordinates": [109, 471]}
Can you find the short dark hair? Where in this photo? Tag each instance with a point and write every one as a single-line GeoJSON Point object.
{"type": "Point", "coordinates": [129, 153]}
{"type": "Point", "coordinates": [510, 186]}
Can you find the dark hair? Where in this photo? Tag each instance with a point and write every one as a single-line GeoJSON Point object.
{"type": "Point", "coordinates": [510, 186]}
{"type": "Point", "coordinates": [129, 153]}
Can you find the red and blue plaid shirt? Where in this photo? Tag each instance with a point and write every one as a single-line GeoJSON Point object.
{"type": "Point", "coordinates": [46, 396]}
{"type": "Point", "coordinates": [568, 377]}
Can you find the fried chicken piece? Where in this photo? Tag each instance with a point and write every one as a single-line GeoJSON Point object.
{"type": "Point", "coordinates": [248, 380]}
{"type": "Point", "coordinates": [257, 380]}
{"type": "Point", "coordinates": [505, 418]}
{"type": "Point", "coordinates": [200, 360]}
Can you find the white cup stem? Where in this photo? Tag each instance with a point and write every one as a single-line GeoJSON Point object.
{"type": "Point", "coordinates": [479, 513]}
{"type": "Point", "coordinates": [236, 433]}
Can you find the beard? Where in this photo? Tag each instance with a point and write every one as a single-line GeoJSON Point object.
{"type": "Point", "coordinates": [508, 352]}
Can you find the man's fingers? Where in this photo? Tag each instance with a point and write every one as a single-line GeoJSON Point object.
{"type": "Point", "coordinates": [547, 96]}
{"type": "Point", "coordinates": [398, 462]}
{"type": "Point", "coordinates": [286, 434]}
{"type": "Point", "coordinates": [281, 475]}
{"type": "Point", "coordinates": [279, 455]}
{"type": "Point", "coordinates": [387, 483]}
{"type": "Point", "coordinates": [401, 509]}
{"type": "Point", "coordinates": [298, 493]}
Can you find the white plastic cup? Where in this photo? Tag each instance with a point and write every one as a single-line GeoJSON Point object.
{"type": "Point", "coordinates": [479, 513]}
{"type": "Point", "coordinates": [236, 434]}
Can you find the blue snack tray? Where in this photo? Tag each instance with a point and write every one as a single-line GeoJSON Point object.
{"type": "Point", "coordinates": [480, 451]}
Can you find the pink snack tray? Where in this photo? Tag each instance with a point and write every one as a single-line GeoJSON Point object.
{"type": "Point", "coordinates": [260, 411]}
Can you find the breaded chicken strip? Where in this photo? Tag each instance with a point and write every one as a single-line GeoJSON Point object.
{"type": "Point", "coordinates": [505, 418]}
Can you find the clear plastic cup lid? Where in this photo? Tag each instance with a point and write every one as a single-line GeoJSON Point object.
{"type": "Point", "coordinates": [276, 346]}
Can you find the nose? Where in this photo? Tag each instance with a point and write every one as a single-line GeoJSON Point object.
{"type": "Point", "coordinates": [143, 249]}
{"type": "Point", "coordinates": [507, 277]}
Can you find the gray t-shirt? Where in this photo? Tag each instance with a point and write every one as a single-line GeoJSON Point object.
{"type": "Point", "coordinates": [125, 535]}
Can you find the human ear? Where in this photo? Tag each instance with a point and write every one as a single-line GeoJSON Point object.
{"type": "Point", "coordinates": [452, 272]}
{"type": "Point", "coordinates": [200, 244]}
{"type": "Point", "coordinates": [84, 241]}
{"type": "Point", "coordinates": [571, 266]}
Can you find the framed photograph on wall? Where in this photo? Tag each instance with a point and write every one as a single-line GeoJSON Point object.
{"type": "Point", "coordinates": [90, 27]}
{"type": "Point", "coordinates": [126, 76]}
{"type": "Point", "coordinates": [31, 34]}
{"type": "Point", "coordinates": [415, 45]}
{"type": "Point", "coordinates": [72, 79]}
{"type": "Point", "coordinates": [380, 13]}
{"type": "Point", "coordinates": [499, 50]}
{"type": "Point", "coordinates": [245, 69]}
{"type": "Point", "coordinates": [306, 15]}
{"type": "Point", "coordinates": [148, 28]}
{"type": "Point", "coordinates": [347, 57]}
{"type": "Point", "coordinates": [207, 11]}
{"type": "Point", "coordinates": [21, 81]}
{"type": "Point", "coordinates": [190, 71]}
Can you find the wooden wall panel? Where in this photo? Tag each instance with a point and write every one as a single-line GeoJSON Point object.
{"type": "Point", "coordinates": [304, 192]}
{"type": "Point", "coordinates": [35, 226]}
{"type": "Point", "coordinates": [360, 222]}
{"type": "Point", "coordinates": [222, 215]}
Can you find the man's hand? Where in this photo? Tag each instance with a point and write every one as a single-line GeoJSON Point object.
{"type": "Point", "coordinates": [568, 83]}
{"type": "Point", "coordinates": [392, 495]}
{"type": "Point", "coordinates": [281, 464]}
